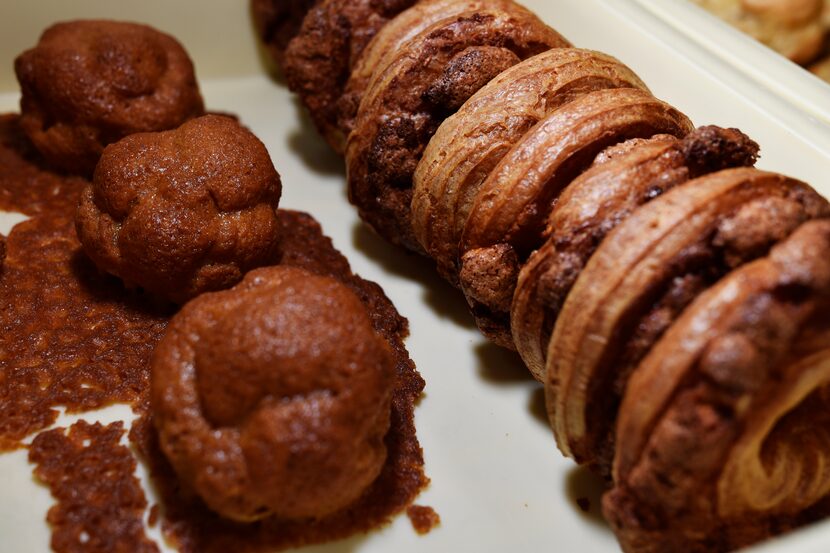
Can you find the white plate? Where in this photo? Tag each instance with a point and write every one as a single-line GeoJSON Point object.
{"type": "Point", "coordinates": [498, 481]}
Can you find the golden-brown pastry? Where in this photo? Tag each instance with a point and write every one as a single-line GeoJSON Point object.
{"type": "Point", "coordinates": [469, 145]}
{"type": "Point", "coordinates": [507, 218]}
{"type": "Point", "coordinates": [382, 49]}
{"type": "Point", "coordinates": [182, 212]}
{"type": "Point", "coordinates": [262, 419]}
{"type": "Point", "coordinates": [723, 432]}
{"type": "Point", "coordinates": [89, 83]}
{"type": "Point", "coordinates": [319, 60]}
{"type": "Point", "coordinates": [278, 21]}
{"type": "Point", "coordinates": [642, 276]}
{"type": "Point", "coordinates": [427, 79]}
{"type": "Point", "coordinates": [620, 180]}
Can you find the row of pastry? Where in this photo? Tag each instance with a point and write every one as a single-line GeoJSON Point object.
{"type": "Point", "coordinates": [674, 300]}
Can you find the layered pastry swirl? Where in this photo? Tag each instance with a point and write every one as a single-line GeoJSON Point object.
{"type": "Point", "coordinates": [672, 298]}
{"type": "Point", "coordinates": [725, 421]}
{"type": "Point", "coordinates": [416, 85]}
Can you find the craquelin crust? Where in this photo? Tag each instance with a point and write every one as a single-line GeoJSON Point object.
{"type": "Point", "coordinates": [182, 212]}
{"type": "Point", "coordinates": [89, 83]}
{"type": "Point", "coordinates": [263, 420]}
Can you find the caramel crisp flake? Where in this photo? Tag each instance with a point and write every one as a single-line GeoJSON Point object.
{"type": "Point", "coordinates": [423, 518]}
{"type": "Point", "coordinates": [100, 502]}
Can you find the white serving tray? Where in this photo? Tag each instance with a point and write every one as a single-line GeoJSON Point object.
{"type": "Point", "coordinates": [498, 481]}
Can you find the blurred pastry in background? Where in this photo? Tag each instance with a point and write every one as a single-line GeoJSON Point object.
{"type": "Point", "coordinates": [821, 68]}
{"type": "Point", "coordinates": [796, 29]}
{"type": "Point", "coordinates": [278, 21]}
